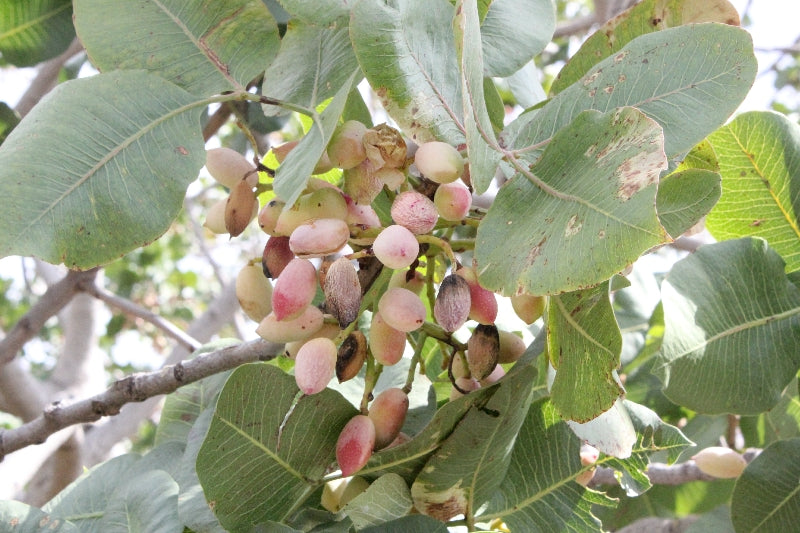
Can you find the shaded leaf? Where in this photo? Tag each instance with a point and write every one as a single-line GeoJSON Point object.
{"type": "Point", "coordinates": [538, 492]}
{"type": "Point", "coordinates": [206, 47]}
{"type": "Point", "coordinates": [34, 30]}
{"type": "Point", "coordinates": [100, 167]}
{"type": "Point", "coordinates": [291, 177]}
{"type": "Point", "coordinates": [689, 79]}
{"type": "Point", "coordinates": [759, 156]}
{"type": "Point", "coordinates": [386, 499]}
{"type": "Point", "coordinates": [8, 121]}
{"type": "Point", "coordinates": [766, 496]}
{"type": "Point", "coordinates": [482, 150]}
{"type": "Point", "coordinates": [732, 331]}
{"type": "Point", "coordinates": [410, 61]}
{"type": "Point", "coordinates": [469, 466]}
{"type": "Point", "coordinates": [686, 196]}
{"type": "Point", "coordinates": [147, 502]}
{"type": "Point", "coordinates": [583, 343]}
{"type": "Point", "coordinates": [514, 32]}
{"type": "Point", "coordinates": [592, 195]}
{"type": "Point", "coordinates": [780, 422]}
{"type": "Point", "coordinates": [312, 64]}
{"type": "Point", "coordinates": [266, 451]}
{"type": "Point", "coordinates": [409, 524]}
{"type": "Point", "coordinates": [18, 517]}
{"type": "Point", "coordinates": [645, 17]}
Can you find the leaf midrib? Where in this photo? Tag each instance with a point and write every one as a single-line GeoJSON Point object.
{"type": "Point", "coordinates": [21, 28]}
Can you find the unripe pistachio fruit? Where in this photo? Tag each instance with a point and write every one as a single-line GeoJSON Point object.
{"type": "Point", "coordinates": [528, 308]}
{"type": "Point", "coordinates": [254, 292]}
{"type": "Point", "coordinates": [402, 309]}
{"type": "Point", "coordinates": [388, 413]}
{"type": "Point", "coordinates": [439, 162]}
{"type": "Point", "coordinates": [227, 166]}
{"type": "Point", "coordinates": [720, 462]}
{"type": "Point", "coordinates": [386, 343]}
{"type": "Point", "coordinates": [314, 365]}
{"type": "Point", "coordinates": [396, 247]}
{"type": "Point", "coordinates": [452, 201]}
{"type": "Point", "coordinates": [322, 166]}
{"type": "Point", "coordinates": [294, 289]}
{"type": "Point", "coordinates": [276, 256]}
{"type": "Point", "coordinates": [215, 217]}
{"type": "Point", "coordinates": [355, 444]}
{"type": "Point", "coordinates": [320, 237]}
{"type": "Point", "coordinates": [346, 149]}
{"type": "Point", "coordinates": [241, 208]}
{"type": "Point", "coordinates": [511, 347]}
{"type": "Point", "coordinates": [414, 211]}
{"type": "Point", "coordinates": [483, 303]}
{"type": "Point", "coordinates": [296, 329]}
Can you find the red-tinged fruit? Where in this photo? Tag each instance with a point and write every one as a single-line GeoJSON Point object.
{"type": "Point", "coordinates": [388, 414]}
{"type": "Point", "coordinates": [527, 307]}
{"type": "Point", "coordinates": [346, 149]}
{"type": "Point", "coordinates": [355, 444]}
{"type": "Point", "coordinates": [439, 162]}
{"type": "Point", "coordinates": [494, 376]}
{"type": "Point", "coordinates": [297, 329]}
{"type": "Point", "coordinates": [276, 256]}
{"type": "Point", "coordinates": [414, 211]}
{"type": "Point", "coordinates": [319, 238]}
{"type": "Point", "coordinates": [294, 289]}
{"type": "Point", "coordinates": [227, 166]}
{"type": "Point", "coordinates": [453, 201]}
{"type": "Point", "coordinates": [314, 365]}
{"type": "Point", "coordinates": [386, 343]}
{"type": "Point", "coordinates": [396, 247]}
{"type": "Point", "coordinates": [254, 292]}
{"type": "Point", "coordinates": [483, 303]}
{"type": "Point", "coordinates": [452, 305]}
{"type": "Point", "coordinates": [402, 309]}
{"type": "Point", "coordinates": [363, 216]}
{"type": "Point", "coordinates": [465, 384]}
{"type": "Point", "coordinates": [720, 462]}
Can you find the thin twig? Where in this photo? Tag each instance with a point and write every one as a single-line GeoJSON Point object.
{"type": "Point", "coordinates": [134, 388]}
{"type": "Point", "coordinates": [57, 296]}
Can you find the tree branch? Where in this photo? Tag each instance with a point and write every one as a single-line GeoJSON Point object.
{"type": "Point", "coordinates": [46, 78]}
{"type": "Point", "coordinates": [51, 302]}
{"type": "Point", "coordinates": [135, 388]}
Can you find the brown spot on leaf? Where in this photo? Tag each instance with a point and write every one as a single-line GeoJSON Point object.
{"type": "Point", "coordinates": [535, 251]}
{"type": "Point", "coordinates": [608, 89]}
{"type": "Point", "coordinates": [620, 56]}
{"type": "Point", "coordinates": [574, 226]}
{"type": "Point", "coordinates": [639, 171]}
{"type": "Point", "coordinates": [445, 510]}
{"type": "Point", "coordinates": [181, 150]}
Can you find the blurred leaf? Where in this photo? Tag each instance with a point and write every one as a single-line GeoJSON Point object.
{"type": "Point", "coordinates": [645, 17]}
{"type": "Point", "coordinates": [759, 157]}
{"type": "Point", "coordinates": [583, 343]}
{"type": "Point", "coordinates": [686, 196]}
{"type": "Point", "coordinates": [34, 30]}
{"type": "Point", "coordinates": [766, 497]}
{"type": "Point", "coordinates": [469, 466]}
{"type": "Point", "coordinates": [213, 46]}
{"type": "Point", "coordinates": [106, 175]}
{"type": "Point", "coordinates": [388, 498]}
{"type": "Point", "coordinates": [409, 524]}
{"type": "Point", "coordinates": [8, 121]}
{"type": "Point", "coordinates": [779, 423]}
{"type": "Point", "coordinates": [732, 337]}
{"type": "Point", "coordinates": [292, 176]}
{"type": "Point", "coordinates": [689, 79]}
{"type": "Point", "coordinates": [591, 195]}
{"type": "Point", "coordinates": [410, 62]}
{"type": "Point", "coordinates": [312, 64]}
{"type": "Point", "coordinates": [718, 520]}
{"type": "Point", "coordinates": [284, 445]}
{"type": "Point", "coordinates": [18, 517]}
{"type": "Point", "coordinates": [514, 32]}
{"type": "Point", "coordinates": [147, 502]}
{"type": "Point", "coordinates": [538, 492]}
{"type": "Point", "coordinates": [182, 407]}
{"type": "Point", "coordinates": [482, 149]}
{"type": "Point", "coordinates": [321, 12]}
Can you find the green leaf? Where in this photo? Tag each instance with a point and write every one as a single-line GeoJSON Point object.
{"type": "Point", "coordinates": [100, 167]}
{"type": "Point", "coordinates": [732, 332]}
{"type": "Point", "coordinates": [388, 498]}
{"type": "Point", "coordinates": [320, 12]}
{"type": "Point", "coordinates": [686, 196]}
{"type": "Point", "coordinates": [215, 45]}
{"type": "Point", "coordinates": [780, 422]}
{"type": "Point", "coordinates": [482, 149]}
{"type": "Point", "coordinates": [470, 464]}
{"type": "Point", "coordinates": [8, 121]}
{"type": "Point", "coordinates": [538, 492]}
{"type": "Point", "coordinates": [182, 407]}
{"type": "Point", "coordinates": [34, 30]}
{"type": "Point", "coordinates": [514, 32]}
{"type": "Point", "coordinates": [410, 61]}
{"type": "Point", "coordinates": [18, 517]}
{"type": "Point", "coordinates": [766, 496]}
{"type": "Point", "coordinates": [591, 195]}
{"type": "Point", "coordinates": [148, 502]}
{"type": "Point", "coordinates": [759, 158]}
{"type": "Point", "coordinates": [266, 451]}
{"type": "Point", "coordinates": [409, 524]}
{"type": "Point", "coordinates": [583, 343]}
{"type": "Point", "coordinates": [689, 79]}
{"type": "Point", "coordinates": [645, 17]}
{"type": "Point", "coordinates": [312, 64]}
{"type": "Point", "coordinates": [292, 176]}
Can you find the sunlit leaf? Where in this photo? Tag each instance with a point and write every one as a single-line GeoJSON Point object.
{"type": "Point", "coordinates": [34, 30]}
{"type": "Point", "coordinates": [100, 167]}
{"type": "Point", "coordinates": [759, 157]}
{"type": "Point", "coordinates": [686, 196]}
{"type": "Point", "coordinates": [732, 329]}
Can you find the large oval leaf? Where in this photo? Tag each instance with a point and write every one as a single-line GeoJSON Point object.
{"type": "Point", "coordinates": [205, 47]}
{"type": "Point", "coordinates": [591, 196]}
{"type": "Point", "coordinates": [689, 79]}
{"type": "Point", "coordinates": [732, 329]}
{"type": "Point", "coordinates": [100, 167]}
{"type": "Point", "coordinates": [514, 32]}
{"type": "Point", "coordinates": [759, 159]}
{"type": "Point", "coordinates": [410, 61]}
{"type": "Point", "coordinates": [35, 30]}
